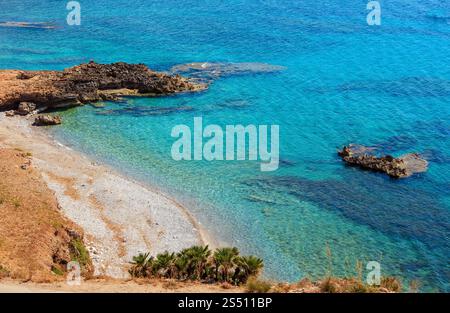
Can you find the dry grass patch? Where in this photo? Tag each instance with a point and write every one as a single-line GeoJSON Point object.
{"type": "Point", "coordinates": [36, 240]}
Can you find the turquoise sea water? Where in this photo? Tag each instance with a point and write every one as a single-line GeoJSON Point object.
{"type": "Point", "coordinates": [344, 82]}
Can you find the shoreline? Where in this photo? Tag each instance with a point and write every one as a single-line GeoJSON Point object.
{"type": "Point", "coordinates": [120, 216]}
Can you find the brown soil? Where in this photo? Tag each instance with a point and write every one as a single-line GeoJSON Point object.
{"type": "Point", "coordinates": [34, 236]}
{"type": "Point", "coordinates": [108, 285]}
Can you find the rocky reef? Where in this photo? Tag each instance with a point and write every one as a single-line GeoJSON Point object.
{"type": "Point", "coordinates": [36, 91]}
{"type": "Point", "coordinates": [363, 157]}
{"type": "Point", "coordinates": [208, 72]}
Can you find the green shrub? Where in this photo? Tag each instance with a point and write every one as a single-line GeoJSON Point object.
{"type": "Point", "coordinates": [79, 253]}
{"type": "Point", "coordinates": [198, 263]}
{"type": "Point", "coordinates": [255, 285]}
{"type": "Point", "coordinates": [140, 265]}
{"type": "Point", "coordinates": [57, 271]}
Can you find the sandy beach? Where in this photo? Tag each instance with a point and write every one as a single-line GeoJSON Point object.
{"type": "Point", "coordinates": [120, 217]}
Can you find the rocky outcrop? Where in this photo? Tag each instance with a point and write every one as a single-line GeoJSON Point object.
{"type": "Point", "coordinates": [47, 120]}
{"type": "Point", "coordinates": [400, 167]}
{"type": "Point", "coordinates": [25, 108]}
{"type": "Point", "coordinates": [86, 83]}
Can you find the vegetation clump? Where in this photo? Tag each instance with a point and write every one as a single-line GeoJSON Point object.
{"type": "Point", "coordinates": [355, 285]}
{"type": "Point", "coordinates": [198, 263]}
{"type": "Point", "coordinates": [57, 270]}
{"type": "Point", "coordinates": [255, 285]}
{"type": "Point", "coordinates": [228, 268]}
{"type": "Point", "coordinates": [79, 253]}
{"type": "Point", "coordinates": [4, 272]}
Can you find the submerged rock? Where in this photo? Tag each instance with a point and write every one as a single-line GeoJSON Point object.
{"type": "Point", "coordinates": [40, 25]}
{"type": "Point", "coordinates": [404, 166]}
{"type": "Point", "coordinates": [211, 71]}
{"type": "Point", "coordinates": [146, 111]}
{"type": "Point", "coordinates": [47, 120]}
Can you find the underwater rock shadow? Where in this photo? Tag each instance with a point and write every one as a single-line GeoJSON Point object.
{"type": "Point", "coordinates": [395, 143]}
{"type": "Point", "coordinates": [438, 127]}
{"type": "Point", "coordinates": [438, 18]}
{"type": "Point", "coordinates": [408, 86]}
{"type": "Point", "coordinates": [404, 87]}
{"type": "Point", "coordinates": [234, 104]}
{"type": "Point", "coordinates": [27, 51]}
{"type": "Point", "coordinates": [212, 71]}
{"type": "Point", "coordinates": [435, 156]}
{"type": "Point", "coordinates": [145, 111]}
{"type": "Point", "coordinates": [424, 134]}
{"type": "Point", "coordinates": [368, 199]}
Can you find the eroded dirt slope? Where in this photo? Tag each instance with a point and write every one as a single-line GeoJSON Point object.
{"type": "Point", "coordinates": [36, 241]}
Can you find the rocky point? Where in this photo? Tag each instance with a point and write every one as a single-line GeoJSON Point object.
{"type": "Point", "coordinates": [25, 92]}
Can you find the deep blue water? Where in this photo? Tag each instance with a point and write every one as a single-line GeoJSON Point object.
{"type": "Point", "coordinates": [344, 82]}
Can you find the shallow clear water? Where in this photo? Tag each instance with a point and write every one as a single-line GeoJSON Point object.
{"type": "Point", "coordinates": [344, 82]}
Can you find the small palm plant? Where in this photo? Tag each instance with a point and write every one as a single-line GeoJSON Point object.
{"type": "Point", "coordinates": [198, 263]}
{"type": "Point", "coordinates": [182, 266]}
{"type": "Point", "coordinates": [140, 265]}
{"type": "Point", "coordinates": [224, 260]}
{"type": "Point", "coordinates": [187, 257]}
{"type": "Point", "coordinates": [198, 257]}
{"type": "Point", "coordinates": [164, 265]}
{"type": "Point", "coordinates": [247, 266]}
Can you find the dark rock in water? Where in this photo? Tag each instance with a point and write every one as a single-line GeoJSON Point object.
{"type": "Point", "coordinates": [234, 104]}
{"type": "Point", "coordinates": [146, 111]}
{"type": "Point", "coordinates": [439, 18]}
{"type": "Point", "coordinates": [403, 166]}
{"type": "Point", "coordinates": [287, 163]}
{"type": "Point", "coordinates": [47, 120]}
{"type": "Point", "coordinates": [87, 83]}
